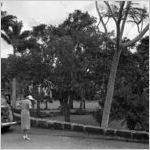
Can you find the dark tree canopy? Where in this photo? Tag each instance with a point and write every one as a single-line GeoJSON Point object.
{"type": "Point", "coordinates": [77, 57]}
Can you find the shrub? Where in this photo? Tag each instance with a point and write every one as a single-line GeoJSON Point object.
{"type": "Point", "coordinates": [134, 109]}
{"type": "Point", "coordinates": [80, 112]}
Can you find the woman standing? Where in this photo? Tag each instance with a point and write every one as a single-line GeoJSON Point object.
{"type": "Point", "coordinates": [25, 115]}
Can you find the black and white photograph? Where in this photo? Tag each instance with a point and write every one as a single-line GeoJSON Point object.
{"type": "Point", "coordinates": [74, 74]}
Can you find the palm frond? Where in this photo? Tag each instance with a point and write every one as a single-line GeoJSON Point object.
{"type": "Point", "coordinates": [16, 28]}
{"type": "Point", "coordinates": [7, 20]}
{"type": "Point", "coordinates": [5, 38]}
{"type": "Point", "coordinates": [24, 34]}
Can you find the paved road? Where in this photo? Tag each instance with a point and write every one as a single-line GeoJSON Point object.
{"type": "Point", "coordinates": [57, 139]}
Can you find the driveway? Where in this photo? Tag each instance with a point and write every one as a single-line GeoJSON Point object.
{"type": "Point", "coordinates": [58, 139]}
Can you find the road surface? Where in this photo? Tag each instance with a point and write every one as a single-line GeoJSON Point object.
{"type": "Point", "coordinates": [58, 139]}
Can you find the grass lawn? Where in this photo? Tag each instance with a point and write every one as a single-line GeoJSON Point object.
{"type": "Point", "coordinates": [87, 119]}
{"type": "Point", "coordinates": [81, 119]}
{"type": "Point", "coordinates": [88, 104]}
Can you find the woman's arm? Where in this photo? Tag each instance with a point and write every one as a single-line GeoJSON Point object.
{"type": "Point", "coordinates": [18, 104]}
{"type": "Point", "coordinates": [30, 104]}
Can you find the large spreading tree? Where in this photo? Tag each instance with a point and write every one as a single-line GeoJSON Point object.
{"type": "Point", "coordinates": [120, 13]}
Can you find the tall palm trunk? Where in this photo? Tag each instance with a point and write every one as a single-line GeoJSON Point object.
{"type": "Point", "coordinates": [110, 89]}
{"type": "Point", "coordinates": [14, 96]}
{"type": "Point", "coordinates": [14, 82]}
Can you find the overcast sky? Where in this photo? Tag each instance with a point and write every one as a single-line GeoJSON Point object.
{"type": "Point", "coordinates": [51, 12]}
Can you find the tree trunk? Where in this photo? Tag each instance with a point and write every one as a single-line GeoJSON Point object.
{"type": "Point", "coordinates": [61, 102]}
{"type": "Point", "coordinates": [38, 107]}
{"type": "Point", "coordinates": [82, 103]}
{"type": "Point", "coordinates": [39, 97]}
{"type": "Point", "coordinates": [110, 89]}
{"type": "Point", "coordinates": [71, 103]}
{"type": "Point", "coordinates": [46, 105]}
{"type": "Point", "coordinates": [66, 113]}
{"type": "Point", "coordinates": [66, 110]}
{"type": "Point", "coordinates": [14, 96]}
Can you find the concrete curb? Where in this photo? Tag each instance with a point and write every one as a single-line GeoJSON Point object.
{"type": "Point", "coordinates": [126, 135]}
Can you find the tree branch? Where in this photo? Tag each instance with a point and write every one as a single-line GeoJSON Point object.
{"type": "Point", "coordinates": [104, 25]}
{"type": "Point", "coordinates": [138, 28]}
{"type": "Point", "coordinates": [110, 10]}
{"type": "Point", "coordinates": [118, 24]}
{"type": "Point", "coordinates": [137, 38]}
{"type": "Point", "coordinates": [120, 12]}
{"type": "Point", "coordinates": [98, 23]}
{"type": "Point", "coordinates": [100, 17]}
{"type": "Point", "coordinates": [125, 18]}
{"type": "Point", "coordinates": [107, 21]}
{"type": "Point", "coordinates": [142, 26]}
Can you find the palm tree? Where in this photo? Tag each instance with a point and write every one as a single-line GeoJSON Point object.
{"type": "Point", "coordinates": [6, 22]}
{"type": "Point", "coordinates": [11, 32]}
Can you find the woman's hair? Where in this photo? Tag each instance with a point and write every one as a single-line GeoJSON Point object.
{"type": "Point", "coordinates": [25, 95]}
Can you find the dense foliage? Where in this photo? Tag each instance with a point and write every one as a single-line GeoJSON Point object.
{"type": "Point", "coordinates": [131, 100]}
{"type": "Point", "coordinates": [77, 58]}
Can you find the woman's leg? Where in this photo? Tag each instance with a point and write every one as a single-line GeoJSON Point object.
{"type": "Point", "coordinates": [26, 134]}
